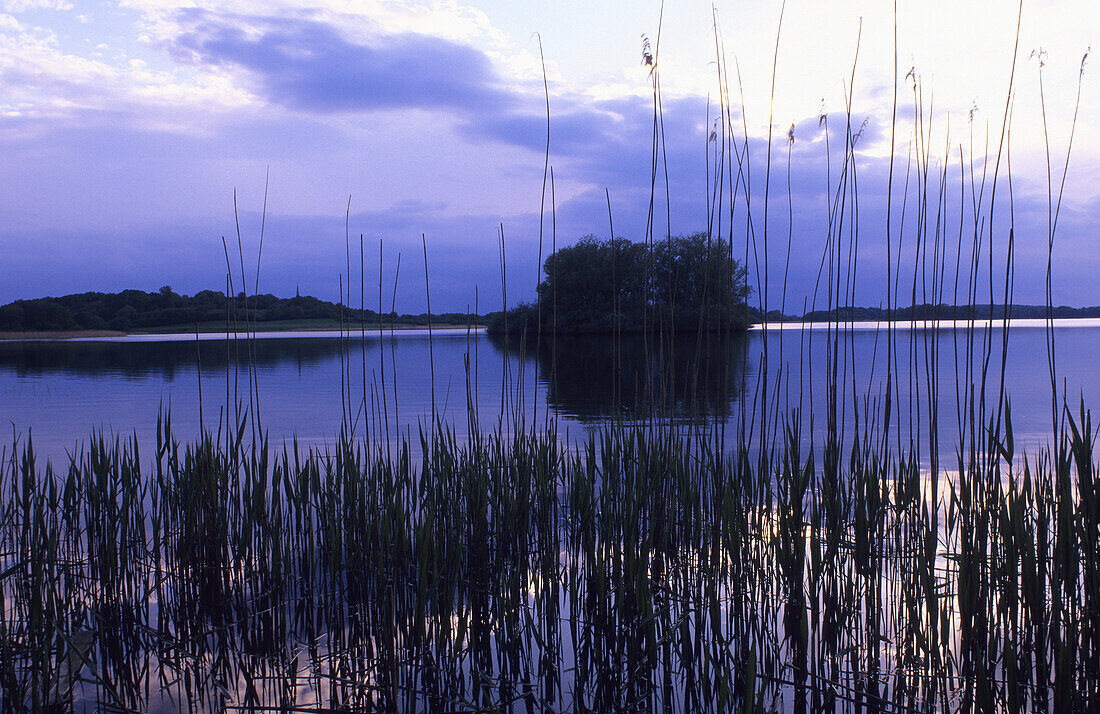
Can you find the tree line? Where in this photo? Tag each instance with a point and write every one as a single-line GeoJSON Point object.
{"type": "Point", "coordinates": [680, 284]}
{"type": "Point", "coordinates": [945, 311]}
{"type": "Point", "coordinates": [137, 310]}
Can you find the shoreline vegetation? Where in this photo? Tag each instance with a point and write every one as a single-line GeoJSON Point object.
{"type": "Point", "coordinates": [685, 284]}
{"type": "Point", "coordinates": [94, 314]}
{"type": "Point", "coordinates": [642, 568]}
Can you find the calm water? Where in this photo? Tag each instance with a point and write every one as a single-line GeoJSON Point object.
{"type": "Point", "coordinates": [483, 586]}
{"type": "Point", "coordinates": [57, 392]}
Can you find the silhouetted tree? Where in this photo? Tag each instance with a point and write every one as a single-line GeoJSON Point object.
{"type": "Point", "coordinates": [682, 284]}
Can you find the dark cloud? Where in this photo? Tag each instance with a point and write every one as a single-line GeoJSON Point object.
{"type": "Point", "coordinates": [586, 129]}
{"type": "Point", "coordinates": [306, 64]}
{"type": "Point", "coordinates": [573, 133]}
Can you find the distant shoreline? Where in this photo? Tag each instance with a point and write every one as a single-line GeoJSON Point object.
{"type": "Point", "coordinates": [133, 312]}
{"type": "Point", "coordinates": [20, 336]}
{"type": "Point", "coordinates": [59, 335]}
{"type": "Point", "coordinates": [298, 326]}
{"type": "Point", "coordinates": [923, 324]}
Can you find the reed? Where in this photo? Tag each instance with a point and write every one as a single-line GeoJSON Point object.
{"type": "Point", "coordinates": [644, 569]}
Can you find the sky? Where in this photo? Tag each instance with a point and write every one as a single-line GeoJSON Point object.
{"type": "Point", "coordinates": [136, 135]}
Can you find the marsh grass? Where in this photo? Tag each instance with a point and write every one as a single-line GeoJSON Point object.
{"type": "Point", "coordinates": [644, 569]}
{"type": "Point", "coordinates": [643, 566]}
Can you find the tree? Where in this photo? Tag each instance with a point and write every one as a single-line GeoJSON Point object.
{"type": "Point", "coordinates": [698, 284]}
{"type": "Point", "coordinates": [682, 284]}
{"type": "Point", "coordinates": [594, 286]}
{"type": "Point", "coordinates": [124, 319]}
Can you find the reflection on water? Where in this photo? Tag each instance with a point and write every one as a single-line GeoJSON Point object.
{"type": "Point", "coordinates": [647, 572]}
{"type": "Point", "coordinates": [59, 391]}
{"type": "Point", "coordinates": [596, 377]}
{"type": "Point", "coordinates": [166, 360]}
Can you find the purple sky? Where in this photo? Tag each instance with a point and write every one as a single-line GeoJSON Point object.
{"type": "Point", "coordinates": [126, 127]}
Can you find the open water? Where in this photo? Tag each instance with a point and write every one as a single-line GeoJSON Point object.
{"type": "Point", "coordinates": [309, 385]}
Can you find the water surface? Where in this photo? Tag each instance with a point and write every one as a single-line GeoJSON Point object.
{"type": "Point", "coordinates": [308, 385]}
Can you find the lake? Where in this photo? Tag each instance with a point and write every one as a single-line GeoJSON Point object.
{"type": "Point", "coordinates": [57, 392]}
{"type": "Point", "coordinates": [640, 570]}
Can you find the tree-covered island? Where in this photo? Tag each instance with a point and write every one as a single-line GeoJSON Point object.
{"type": "Point", "coordinates": [680, 284]}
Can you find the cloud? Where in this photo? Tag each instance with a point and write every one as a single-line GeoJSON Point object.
{"type": "Point", "coordinates": [50, 77]}
{"type": "Point", "coordinates": [18, 6]}
{"type": "Point", "coordinates": [309, 65]}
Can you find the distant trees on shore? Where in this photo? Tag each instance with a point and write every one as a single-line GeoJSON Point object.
{"type": "Point", "coordinates": [137, 310]}
{"type": "Point", "coordinates": [680, 284]}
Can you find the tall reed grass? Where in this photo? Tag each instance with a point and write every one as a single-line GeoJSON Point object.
{"type": "Point", "coordinates": [645, 569]}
